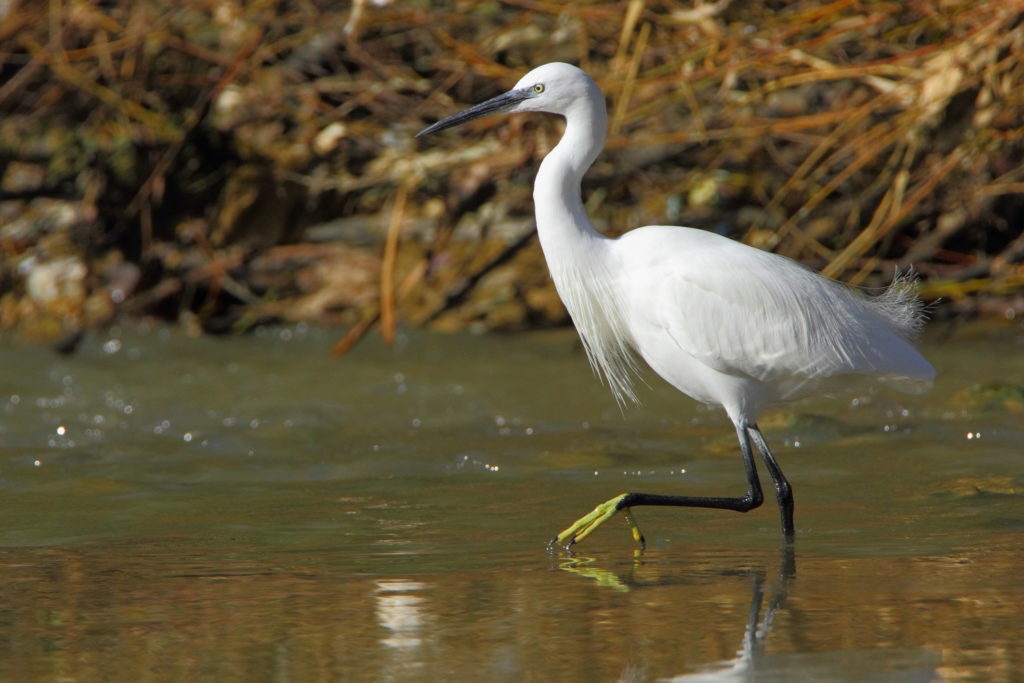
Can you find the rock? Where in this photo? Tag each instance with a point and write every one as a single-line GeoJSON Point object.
{"type": "Point", "coordinates": [990, 397]}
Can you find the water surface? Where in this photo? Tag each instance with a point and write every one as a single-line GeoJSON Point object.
{"type": "Point", "coordinates": [251, 509]}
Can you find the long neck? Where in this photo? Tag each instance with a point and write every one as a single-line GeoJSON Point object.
{"type": "Point", "coordinates": [577, 255]}
{"type": "Point", "coordinates": [562, 223]}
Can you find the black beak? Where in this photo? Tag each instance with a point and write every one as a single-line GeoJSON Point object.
{"type": "Point", "coordinates": [501, 103]}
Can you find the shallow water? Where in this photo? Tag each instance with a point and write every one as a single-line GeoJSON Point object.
{"type": "Point", "coordinates": [251, 509]}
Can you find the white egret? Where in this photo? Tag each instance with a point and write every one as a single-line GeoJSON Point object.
{"type": "Point", "coordinates": [723, 322]}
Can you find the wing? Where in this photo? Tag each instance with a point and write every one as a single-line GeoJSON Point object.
{"type": "Point", "coordinates": [746, 312]}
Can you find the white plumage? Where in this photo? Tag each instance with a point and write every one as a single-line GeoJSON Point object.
{"type": "Point", "coordinates": [724, 323]}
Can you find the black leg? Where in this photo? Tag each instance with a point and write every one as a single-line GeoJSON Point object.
{"type": "Point", "coordinates": [783, 491]}
{"type": "Point", "coordinates": [751, 500]}
{"type": "Point", "coordinates": [585, 525]}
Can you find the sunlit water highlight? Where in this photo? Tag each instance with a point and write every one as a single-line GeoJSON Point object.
{"type": "Point", "coordinates": [251, 509]}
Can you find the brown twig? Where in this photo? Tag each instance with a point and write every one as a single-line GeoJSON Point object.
{"type": "Point", "coordinates": [387, 266]}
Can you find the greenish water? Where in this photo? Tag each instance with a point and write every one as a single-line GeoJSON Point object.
{"type": "Point", "coordinates": [252, 509]}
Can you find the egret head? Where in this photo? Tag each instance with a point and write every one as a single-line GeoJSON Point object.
{"type": "Point", "coordinates": [554, 88]}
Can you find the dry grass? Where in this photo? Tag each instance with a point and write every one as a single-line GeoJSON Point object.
{"type": "Point", "coordinates": [191, 139]}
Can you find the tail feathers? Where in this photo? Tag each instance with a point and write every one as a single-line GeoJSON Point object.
{"type": "Point", "coordinates": [900, 305]}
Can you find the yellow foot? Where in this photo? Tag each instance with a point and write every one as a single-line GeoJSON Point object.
{"type": "Point", "coordinates": [586, 525]}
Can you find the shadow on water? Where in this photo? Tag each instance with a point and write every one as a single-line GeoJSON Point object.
{"type": "Point", "coordinates": [200, 510]}
{"type": "Point", "coordinates": [760, 616]}
{"type": "Point", "coordinates": [753, 660]}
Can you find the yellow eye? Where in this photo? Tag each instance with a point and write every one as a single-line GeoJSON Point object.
{"type": "Point", "coordinates": [539, 88]}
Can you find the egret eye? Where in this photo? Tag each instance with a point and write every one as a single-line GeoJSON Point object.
{"type": "Point", "coordinates": [538, 89]}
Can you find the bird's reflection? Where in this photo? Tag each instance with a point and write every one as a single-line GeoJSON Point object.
{"type": "Point", "coordinates": [760, 615]}
{"type": "Point", "coordinates": [744, 664]}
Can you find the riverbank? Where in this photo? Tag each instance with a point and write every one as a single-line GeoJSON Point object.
{"type": "Point", "coordinates": [223, 164]}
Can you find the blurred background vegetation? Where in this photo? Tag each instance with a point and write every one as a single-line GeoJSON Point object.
{"type": "Point", "coordinates": [221, 163]}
